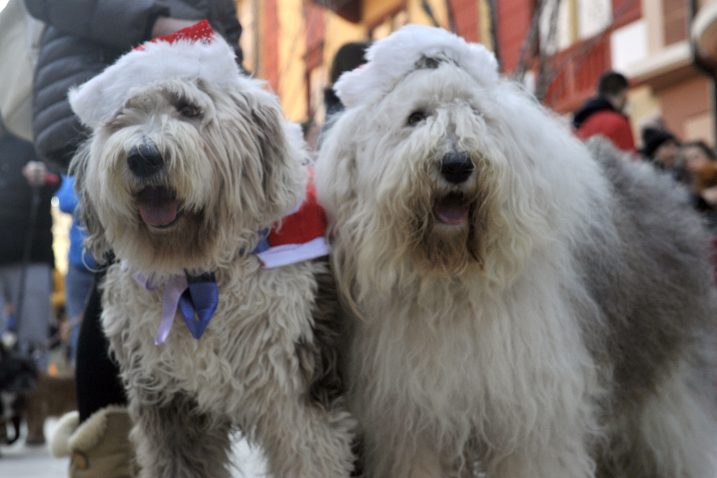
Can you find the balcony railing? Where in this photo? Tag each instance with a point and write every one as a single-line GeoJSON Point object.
{"type": "Point", "coordinates": [575, 71]}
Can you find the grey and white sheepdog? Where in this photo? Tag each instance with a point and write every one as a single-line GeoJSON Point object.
{"type": "Point", "coordinates": [188, 163]}
{"type": "Point", "coordinates": [522, 301]}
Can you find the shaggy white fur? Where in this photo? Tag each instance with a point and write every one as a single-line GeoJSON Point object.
{"type": "Point", "coordinates": [182, 178]}
{"type": "Point", "coordinates": [498, 278]}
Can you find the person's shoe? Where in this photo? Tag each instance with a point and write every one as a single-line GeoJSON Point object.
{"type": "Point", "coordinates": [99, 447]}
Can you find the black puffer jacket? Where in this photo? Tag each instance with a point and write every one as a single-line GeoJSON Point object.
{"type": "Point", "coordinates": [85, 36]}
{"type": "Point", "coordinates": [18, 229]}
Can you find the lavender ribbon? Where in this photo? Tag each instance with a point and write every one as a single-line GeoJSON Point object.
{"type": "Point", "coordinates": [195, 297]}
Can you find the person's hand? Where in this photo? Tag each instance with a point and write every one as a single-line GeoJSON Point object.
{"type": "Point", "coordinates": [65, 329]}
{"type": "Point", "coordinates": [67, 326]}
{"type": "Point", "coordinates": [35, 172]}
{"type": "Point", "coordinates": [168, 25]}
{"type": "Point", "coordinates": [710, 195]}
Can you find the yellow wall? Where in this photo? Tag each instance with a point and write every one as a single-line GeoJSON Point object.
{"type": "Point", "coordinates": [339, 32]}
{"type": "Point", "coordinates": [375, 9]}
{"type": "Point", "coordinates": [292, 48]}
{"type": "Point", "coordinates": [643, 107]}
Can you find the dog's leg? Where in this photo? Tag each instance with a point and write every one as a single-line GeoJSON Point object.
{"type": "Point", "coordinates": [425, 463]}
{"type": "Point", "coordinates": [394, 452]}
{"type": "Point", "coordinates": [302, 440]}
{"type": "Point", "coordinates": [672, 435]}
{"type": "Point", "coordinates": [174, 440]}
{"type": "Point", "coordinates": [560, 461]}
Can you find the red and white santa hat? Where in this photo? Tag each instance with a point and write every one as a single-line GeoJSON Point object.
{"type": "Point", "coordinates": [389, 60]}
{"type": "Point", "coordinates": [196, 52]}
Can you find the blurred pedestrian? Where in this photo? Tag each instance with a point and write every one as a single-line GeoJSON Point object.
{"type": "Point", "coordinates": [80, 267]}
{"type": "Point", "coordinates": [604, 114]}
{"type": "Point", "coordinates": [700, 164]}
{"type": "Point", "coordinates": [662, 148]}
{"type": "Point", "coordinates": [82, 38]}
{"type": "Point", "coordinates": [697, 155]}
{"type": "Point", "coordinates": [350, 56]}
{"type": "Point", "coordinates": [26, 257]}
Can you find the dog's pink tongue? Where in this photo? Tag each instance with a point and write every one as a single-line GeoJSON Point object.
{"type": "Point", "coordinates": [451, 211]}
{"type": "Point", "coordinates": [159, 214]}
{"type": "Point", "coordinates": [157, 208]}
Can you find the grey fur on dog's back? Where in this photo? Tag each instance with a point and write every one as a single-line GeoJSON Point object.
{"type": "Point", "coordinates": [659, 264]}
{"type": "Point", "coordinates": [655, 288]}
{"type": "Point", "coordinates": [227, 171]}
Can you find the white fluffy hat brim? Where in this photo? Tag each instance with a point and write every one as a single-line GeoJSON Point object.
{"type": "Point", "coordinates": [391, 59]}
{"type": "Point", "coordinates": [96, 101]}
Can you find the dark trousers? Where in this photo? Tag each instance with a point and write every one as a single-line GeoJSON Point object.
{"type": "Point", "coordinates": [97, 375]}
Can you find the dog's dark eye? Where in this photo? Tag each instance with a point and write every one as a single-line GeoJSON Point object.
{"type": "Point", "coordinates": [416, 117]}
{"type": "Point", "coordinates": [189, 110]}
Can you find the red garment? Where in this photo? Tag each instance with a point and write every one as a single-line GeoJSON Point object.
{"type": "Point", "coordinates": [300, 235]}
{"type": "Point", "coordinates": [612, 125]}
{"type": "Point", "coordinates": [304, 225]}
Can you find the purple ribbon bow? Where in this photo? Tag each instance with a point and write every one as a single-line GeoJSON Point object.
{"type": "Point", "coordinates": [196, 298]}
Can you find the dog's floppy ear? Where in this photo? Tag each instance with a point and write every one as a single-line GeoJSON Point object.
{"type": "Point", "coordinates": [95, 242]}
{"type": "Point", "coordinates": [282, 152]}
{"type": "Point", "coordinates": [336, 169]}
{"type": "Point", "coordinates": [335, 177]}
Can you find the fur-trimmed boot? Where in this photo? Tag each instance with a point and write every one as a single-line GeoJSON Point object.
{"type": "Point", "coordinates": [99, 447]}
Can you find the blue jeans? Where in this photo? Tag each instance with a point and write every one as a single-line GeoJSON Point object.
{"type": "Point", "coordinates": [78, 283]}
{"type": "Point", "coordinates": [32, 325]}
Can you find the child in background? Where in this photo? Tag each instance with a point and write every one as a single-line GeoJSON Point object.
{"type": "Point", "coordinates": [80, 265]}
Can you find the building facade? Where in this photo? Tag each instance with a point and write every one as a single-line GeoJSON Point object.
{"type": "Point", "coordinates": [557, 47]}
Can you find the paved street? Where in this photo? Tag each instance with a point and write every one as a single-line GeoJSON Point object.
{"type": "Point", "coordinates": [20, 461]}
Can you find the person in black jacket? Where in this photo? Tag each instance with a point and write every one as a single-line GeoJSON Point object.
{"type": "Point", "coordinates": [82, 37]}
{"type": "Point", "coordinates": [26, 257]}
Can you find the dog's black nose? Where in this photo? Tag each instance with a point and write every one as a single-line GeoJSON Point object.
{"type": "Point", "coordinates": [456, 167]}
{"type": "Point", "coordinates": [145, 159]}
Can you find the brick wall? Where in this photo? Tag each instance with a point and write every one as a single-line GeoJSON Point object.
{"type": "Point", "coordinates": [513, 23]}
{"type": "Point", "coordinates": [465, 13]}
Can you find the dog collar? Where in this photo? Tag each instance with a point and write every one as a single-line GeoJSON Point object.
{"type": "Point", "coordinates": [298, 237]}
{"type": "Point", "coordinates": [196, 297]}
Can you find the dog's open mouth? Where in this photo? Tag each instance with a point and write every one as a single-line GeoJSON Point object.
{"type": "Point", "coordinates": [452, 210]}
{"type": "Point", "coordinates": [158, 206]}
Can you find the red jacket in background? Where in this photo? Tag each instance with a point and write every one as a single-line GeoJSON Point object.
{"type": "Point", "coordinates": [598, 116]}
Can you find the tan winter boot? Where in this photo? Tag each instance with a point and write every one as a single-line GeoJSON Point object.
{"type": "Point", "coordinates": [100, 447]}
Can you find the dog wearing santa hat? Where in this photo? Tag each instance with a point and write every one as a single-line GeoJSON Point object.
{"type": "Point", "coordinates": [220, 306]}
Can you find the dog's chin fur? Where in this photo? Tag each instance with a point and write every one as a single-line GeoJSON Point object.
{"type": "Point", "coordinates": [542, 336]}
{"type": "Point", "coordinates": [266, 362]}
{"type": "Point", "coordinates": [446, 249]}
{"type": "Point", "coordinates": [190, 238]}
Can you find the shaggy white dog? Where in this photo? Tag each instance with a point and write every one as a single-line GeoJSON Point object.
{"type": "Point", "coordinates": [189, 164]}
{"type": "Point", "coordinates": [523, 301]}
